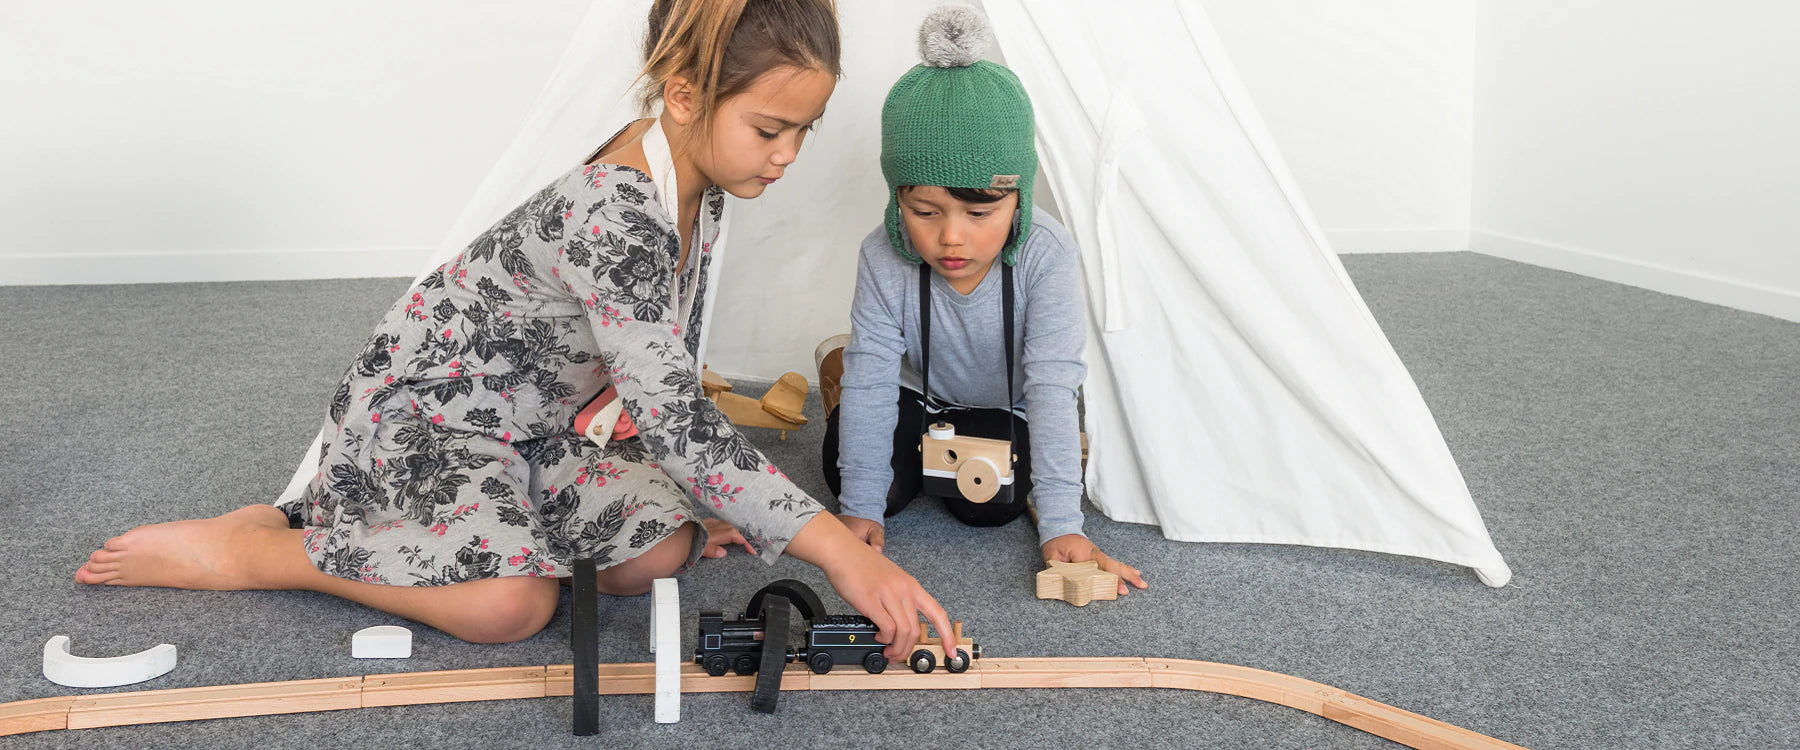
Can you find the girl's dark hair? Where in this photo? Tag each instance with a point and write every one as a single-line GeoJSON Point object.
{"type": "Point", "coordinates": [723, 46]}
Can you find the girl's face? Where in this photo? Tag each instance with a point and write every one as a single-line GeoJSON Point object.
{"type": "Point", "coordinates": [959, 239]}
{"type": "Point", "coordinates": [757, 134]}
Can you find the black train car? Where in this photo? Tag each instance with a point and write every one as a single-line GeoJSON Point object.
{"type": "Point", "coordinates": [843, 639]}
{"type": "Point", "coordinates": [737, 644]}
{"type": "Point", "coordinates": [734, 645]}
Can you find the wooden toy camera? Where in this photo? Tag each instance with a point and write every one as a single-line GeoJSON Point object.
{"type": "Point", "coordinates": [976, 469]}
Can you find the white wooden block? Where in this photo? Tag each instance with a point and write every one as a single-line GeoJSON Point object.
{"type": "Point", "coordinates": [381, 642]}
{"type": "Point", "coordinates": [74, 671]}
{"type": "Point", "coordinates": [665, 642]}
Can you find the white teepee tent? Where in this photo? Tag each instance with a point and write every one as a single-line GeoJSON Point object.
{"type": "Point", "coordinates": [1239, 390]}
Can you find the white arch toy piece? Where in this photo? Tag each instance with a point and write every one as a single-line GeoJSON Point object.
{"type": "Point", "coordinates": [68, 670]}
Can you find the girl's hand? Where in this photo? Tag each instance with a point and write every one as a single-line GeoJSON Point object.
{"type": "Point", "coordinates": [1077, 548]}
{"type": "Point", "coordinates": [720, 535]}
{"type": "Point", "coordinates": [866, 530]}
{"type": "Point", "coordinates": [872, 584]}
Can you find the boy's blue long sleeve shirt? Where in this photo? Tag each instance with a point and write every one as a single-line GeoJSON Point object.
{"type": "Point", "coordinates": [968, 366]}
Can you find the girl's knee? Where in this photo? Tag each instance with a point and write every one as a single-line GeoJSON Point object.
{"type": "Point", "coordinates": [510, 609]}
{"type": "Point", "coordinates": [635, 576]}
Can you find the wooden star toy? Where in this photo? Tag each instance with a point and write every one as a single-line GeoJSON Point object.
{"type": "Point", "coordinates": [1077, 583]}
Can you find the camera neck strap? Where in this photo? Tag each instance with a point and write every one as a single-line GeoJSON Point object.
{"type": "Point", "coordinates": [1006, 313]}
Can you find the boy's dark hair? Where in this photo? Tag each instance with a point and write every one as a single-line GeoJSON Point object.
{"type": "Point", "coordinates": [977, 195]}
{"type": "Point", "coordinates": [970, 195]}
{"type": "Point", "coordinates": [725, 45]}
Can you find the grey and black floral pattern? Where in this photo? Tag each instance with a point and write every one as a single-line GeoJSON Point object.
{"type": "Point", "coordinates": [450, 453]}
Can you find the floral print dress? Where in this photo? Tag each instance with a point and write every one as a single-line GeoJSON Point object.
{"type": "Point", "coordinates": [450, 453]}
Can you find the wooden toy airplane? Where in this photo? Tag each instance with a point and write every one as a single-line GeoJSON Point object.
{"type": "Point", "coordinates": [778, 409]}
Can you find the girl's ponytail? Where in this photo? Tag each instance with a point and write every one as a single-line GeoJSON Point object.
{"type": "Point", "coordinates": [723, 46]}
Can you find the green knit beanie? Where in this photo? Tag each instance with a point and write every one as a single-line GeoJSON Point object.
{"type": "Point", "coordinates": [958, 121]}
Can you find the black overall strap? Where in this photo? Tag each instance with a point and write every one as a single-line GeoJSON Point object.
{"type": "Point", "coordinates": [1006, 314]}
{"type": "Point", "coordinates": [925, 343]}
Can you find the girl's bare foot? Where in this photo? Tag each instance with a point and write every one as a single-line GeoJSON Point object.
{"type": "Point", "coordinates": [209, 553]}
{"type": "Point", "coordinates": [253, 548]}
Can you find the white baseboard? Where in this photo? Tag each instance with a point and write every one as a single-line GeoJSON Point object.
{"type": "Point", "coordinates": [282, 265]}
{"type": "Point", "coordinates": [1349, 241]}
{"type": "Point", "coordinates": [1694, 285]}
{"type": "Point", "coordinates": [163, 267]}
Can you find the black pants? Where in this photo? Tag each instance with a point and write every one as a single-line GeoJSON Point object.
{"type": "Point", "coordinates": [909, 467]}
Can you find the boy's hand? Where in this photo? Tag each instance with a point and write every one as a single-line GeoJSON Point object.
{"type": "Point", "coordinates": [868, 531]}
{"type": "Point", "coordinates": [1077, 548]}
{"type": "Point", "coordinates": [719, 535]}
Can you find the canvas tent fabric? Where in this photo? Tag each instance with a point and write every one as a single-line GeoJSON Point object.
{"type": "Point", "coordinates": [1239, 390]}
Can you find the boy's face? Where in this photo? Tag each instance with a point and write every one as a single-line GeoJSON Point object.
{"type": "Point", "coordinates": [959, 239]}
{"type": "Point", "coordinates": [758, 133]}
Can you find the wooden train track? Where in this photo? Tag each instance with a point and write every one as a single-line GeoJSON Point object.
{"type": "Point", "coordinates": [412, 688]}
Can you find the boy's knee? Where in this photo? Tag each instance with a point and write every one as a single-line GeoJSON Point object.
{"type": "Point", "coordinates": [512, 609]}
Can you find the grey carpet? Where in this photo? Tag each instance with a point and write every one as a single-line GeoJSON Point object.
{"type": "Point", "coordinates": [1635, 456]}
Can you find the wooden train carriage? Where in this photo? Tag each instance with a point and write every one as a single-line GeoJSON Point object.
{"type": "Point", "coordinates": [929, 652]}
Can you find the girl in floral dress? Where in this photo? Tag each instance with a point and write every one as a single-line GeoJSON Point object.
{"type": "Point", "coordinates": [453, 488]}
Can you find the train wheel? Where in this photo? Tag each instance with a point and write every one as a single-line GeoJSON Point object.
{"type": "Point", "coordinates": [716, 664]}
{"type": "Point", "coordinates": [819, 662]}
{"type": "Point", "coordinates": [745, 665]}
{"type": "Point", "coordinates": [959, 662]}
{"type": "Point", "coordinates": [922, 661]}
{"type": "Point", "coordinates": [875, 662]}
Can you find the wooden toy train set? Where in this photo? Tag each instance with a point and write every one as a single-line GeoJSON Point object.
{"type": "Point", "coordinates": [752, 652]}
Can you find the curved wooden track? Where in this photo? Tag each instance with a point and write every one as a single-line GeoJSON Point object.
{"type": "Point", "coordinates": [411, 688]}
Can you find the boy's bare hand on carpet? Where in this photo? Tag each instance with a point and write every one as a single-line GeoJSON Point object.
{"type": "Point", "coordinates": [868, 531]}
{"type": "Point", "coordinates": [720, 535]}
{"type": "Point", "coordinates": [1077, 548]}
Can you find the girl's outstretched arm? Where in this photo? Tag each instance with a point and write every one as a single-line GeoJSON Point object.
{"type": "Point", "coordinates": [872, 584]}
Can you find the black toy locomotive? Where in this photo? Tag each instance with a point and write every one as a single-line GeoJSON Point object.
{"type": "Point", "coordinates": [737, 644]}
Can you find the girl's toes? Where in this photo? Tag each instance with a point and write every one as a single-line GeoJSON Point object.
{"type": "Point", "coordinates": [85, 575]}
{"type": "Point", "coordinates": [115, 544]}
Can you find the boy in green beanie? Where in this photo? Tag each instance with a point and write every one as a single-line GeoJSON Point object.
{"type": "Point", "coordinates": [958, 155]}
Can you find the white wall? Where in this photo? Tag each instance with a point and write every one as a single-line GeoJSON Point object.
{"type": "Point", "coordinates": [211, 140]}
{"type": "Point", "coordinates": [216, 139]}
{"type": "Point", "coordinates": [1647, 142]}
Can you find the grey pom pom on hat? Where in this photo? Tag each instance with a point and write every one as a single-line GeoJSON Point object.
{"type": "Point", "coordinates": [954, 36]}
